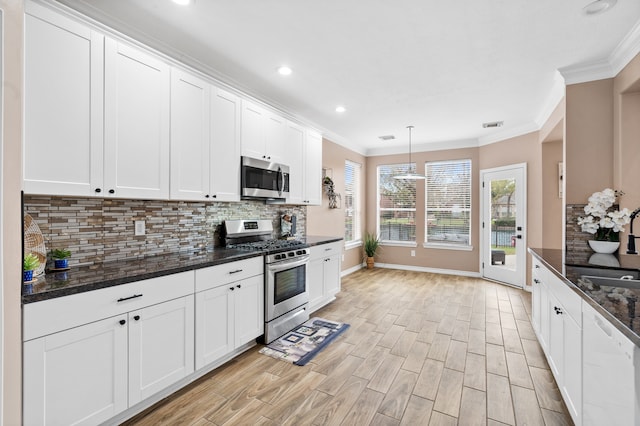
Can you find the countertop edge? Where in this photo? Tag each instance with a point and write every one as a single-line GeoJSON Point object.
{"type": "Point", "coordinates": [599, 308]}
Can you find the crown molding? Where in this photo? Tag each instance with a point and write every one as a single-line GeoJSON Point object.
{"type": "Point", "coordinates": [608, 67]}
{"type": "Point", "coordinates": [508, 134]}
{"type": "Point", "coordinates": [424, 147]}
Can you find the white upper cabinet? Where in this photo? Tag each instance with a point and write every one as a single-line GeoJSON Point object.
{"type": "Point", "coordinates": [189, 136]}
{"type": "Point", "coordinates": [137, 103]}
{"type": "Point", "coordinates": [63, 105]}
{"type": "Point", "coordinates": [296, 139]}
{"type": "Point", "coordinates": [225, 146]}
{"type": "Point", "coordinates": [263, 134]}
{"type": "Point", "coordinates": [313, 169]}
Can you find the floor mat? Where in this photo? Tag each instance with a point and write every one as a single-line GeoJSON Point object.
{"type": "Point", "coordinates": [304, 342]}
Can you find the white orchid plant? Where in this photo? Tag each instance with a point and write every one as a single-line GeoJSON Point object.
{"type": "Point", "coordinates": [602, 222]}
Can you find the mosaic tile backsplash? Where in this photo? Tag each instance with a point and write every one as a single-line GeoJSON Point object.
{"type": "Point", "coordinates": [102, 230]}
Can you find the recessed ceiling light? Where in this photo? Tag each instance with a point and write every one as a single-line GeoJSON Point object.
{"type": "Point", "coordinates": [493, 124]}
{"type": "Point", "coordinates": [599, 6]}
{"type": "Point", "coordinates": [340, 109]}
{"type": "Point", "coordinates": [182, 2]}
{"type": "Point", "coordinates": [387, 137]}
{"type": "Point", "coordinates": [284, 70]}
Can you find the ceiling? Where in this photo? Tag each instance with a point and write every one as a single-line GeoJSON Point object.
{"type": "Point", "coordinates": [444, 67]}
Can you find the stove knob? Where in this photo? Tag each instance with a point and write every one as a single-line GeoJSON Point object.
{"type": "Point", "coordinates": [277, 256]}
{"type": "Point", "coordinates": [291, 254]}
{"type": "Point", "coordinates": [299, 252]}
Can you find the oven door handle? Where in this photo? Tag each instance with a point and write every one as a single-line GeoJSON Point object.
{"type": "Point", "coordinates": [287, 264]}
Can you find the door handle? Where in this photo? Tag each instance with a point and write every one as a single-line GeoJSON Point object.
{"type": "Point", "coordinates": [519, 237]}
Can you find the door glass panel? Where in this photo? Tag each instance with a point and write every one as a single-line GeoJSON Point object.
{"type": "Point", "coordinates": [503, 224]}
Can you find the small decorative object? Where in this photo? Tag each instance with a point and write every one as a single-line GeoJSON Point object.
{"type": "Point", "coordinates": [30, 264]}
{"type": "Point", "coordinates": [34, 242]}
{"type": "Point", "coordinates": [371, 244]}
{"type": "Point", "coordinates": [329, 189]}
{"type": "Point", "coordinates": [60, 258]}
{"type": "Point", "coordinates": [603, 222]}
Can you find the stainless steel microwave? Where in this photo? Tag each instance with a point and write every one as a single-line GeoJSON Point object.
{"type": "Point", "coordinates": [263, 180]}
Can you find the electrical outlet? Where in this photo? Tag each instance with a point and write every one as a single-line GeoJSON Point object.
{"type": "Point", "coordinates": [413, 253]}
{"type": "Point", "coordinates": [139, 227]}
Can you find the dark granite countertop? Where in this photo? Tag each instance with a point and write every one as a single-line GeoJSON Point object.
{"type": "Point", "coordinates": [79, 279]}
{"type": "Point", "coordinates": [617, 304]}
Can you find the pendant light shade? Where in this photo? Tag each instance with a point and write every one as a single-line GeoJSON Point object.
{"type": "Point", "coordinates": [410, 175]}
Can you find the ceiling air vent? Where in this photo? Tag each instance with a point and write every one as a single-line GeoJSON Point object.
{"type": "Point", "coordinates": [492, 124]}
{"type": "Point", "coordinates": [387, 137]}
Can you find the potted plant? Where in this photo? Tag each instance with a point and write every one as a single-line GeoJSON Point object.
{"type": "Point", "coordinates": [603, 222]}
{"type": "Point", "coordinates": [30, 264]}
{"type": "Point", "coordinates": [371, 244]}
{"type": "Point", "coordinates": [61, 258]}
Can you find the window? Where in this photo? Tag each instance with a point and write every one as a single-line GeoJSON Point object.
{"type": "Point", "coordinates": [396, 204]}
{"type": "Point", "coordinates": [448, 203]}
{"type": "Point", "coordinates": [353, 229]}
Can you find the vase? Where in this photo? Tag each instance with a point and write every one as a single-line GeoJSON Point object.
{"type": "Point", "coordinates": [61, 263]}
{"type": "Point", "coordinates": [604, 246]}
{"type": "Point", "coordinates": [370, 262]}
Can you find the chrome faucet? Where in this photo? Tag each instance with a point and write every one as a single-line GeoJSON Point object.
{"type": "Point", "coordinates": [631, 244]}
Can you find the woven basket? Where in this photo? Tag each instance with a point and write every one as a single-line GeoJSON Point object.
{"type": "Point", "coordinates": [34, 243]}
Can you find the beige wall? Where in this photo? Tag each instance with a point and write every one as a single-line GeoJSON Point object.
{"type": "Point", "coordinates": [426, 257]}
{"type": "Point", "coordinates": [321, 220]}
{"type": "Point", "coordinates": [588, 139]}
{"type": "Point", "coordinates": [552, 204]}
{"type": "Point", "coordinates": [11, 211]}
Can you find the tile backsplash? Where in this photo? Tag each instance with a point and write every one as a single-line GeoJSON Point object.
{"type": "Point", "coordinates": [101, 230]}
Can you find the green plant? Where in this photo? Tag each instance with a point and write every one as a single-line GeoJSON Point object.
{"type": "Point", "coordinates": [371, 244]}
{"type": "Point", "coordinates": [31, 262]}
{"type": "Point", "coordinates": [60, 254]}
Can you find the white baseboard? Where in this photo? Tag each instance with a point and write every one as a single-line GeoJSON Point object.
{"type": "Point", "coordinates": [432, 270]}
{"type": "Point", "coordinates": [351, 270]}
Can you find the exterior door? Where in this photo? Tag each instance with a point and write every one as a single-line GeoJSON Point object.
{"type": "Point", "coordinates": [504, 224]}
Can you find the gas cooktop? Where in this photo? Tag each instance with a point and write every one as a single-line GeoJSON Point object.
{"type": "Point", "coordinates": [269, 245]}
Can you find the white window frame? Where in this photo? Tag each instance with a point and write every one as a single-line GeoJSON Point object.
{"type": "Point", "coordinates": [357, 205]}
{"type": "Point", "coordinates": [398, 243]}
{"type": "Point", "coordinates": [444, 244]}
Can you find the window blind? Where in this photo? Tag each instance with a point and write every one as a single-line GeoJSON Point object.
{"type": "Point", "coordinates": [448, 202]}
{"type": "Point", "coordinates": [353, 229]}
{"type": "Point", "coordinates": [396, 203]}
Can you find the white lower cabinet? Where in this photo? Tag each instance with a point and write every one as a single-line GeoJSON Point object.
{"type": "Point", "coordinates": [161, 341]}
{"type": "Point", "coordinates": [323, 274]}
{"type": "Point", "coordinates": [90, 356]}
{"type": "Point", "coordinates": [77, 376]}
{"type": "Point", "coordinates": [229, 309]}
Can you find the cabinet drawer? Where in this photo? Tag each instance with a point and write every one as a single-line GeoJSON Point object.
{"type": "Point", "coordinates": [218, 275]}
{"type": "Point", "coordinates": [538, 271]}
{"type": "Point", "coordinates": [51, 316]}
{"type": "Point", "coordinates": [325, 250]}
{"type": "Point", "coordinates": [569, 300]}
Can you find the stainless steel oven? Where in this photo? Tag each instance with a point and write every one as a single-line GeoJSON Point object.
{"type": "Point", "coordinates": [286, 293]}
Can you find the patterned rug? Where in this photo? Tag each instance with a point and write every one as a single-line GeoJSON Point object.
{"type": "Point", "coordinates": [304, 342]}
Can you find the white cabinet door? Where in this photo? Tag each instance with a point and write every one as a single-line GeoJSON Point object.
{"type": "Point", "coordinates": [275, 141]}
{"type": "Point", "coordinates": [248, 310]}
{"type": "Point", "coordinates": [189, 137]}
{"type": "Point", "coordinates": [214, 326]}
{"type": "Point", "coordinates": [332, 275]}
{"type": "Point", "coordinates": [63, 116]}
{"type": "Point", "coordinates": [161, 342]}
{"type": "Point", "coordinates": [77, 376]}
{"type": "Point", "coordinates": [315, 283]}
{"type": "Point", "coordinates": [572, 368]}
{"type": "Point", "coordinates": [313, 169]}
{"type": "Point", "coordinates": [556, 337]}
{"type": "Point", "coordinates": [253, 131]}
{"type": "Point", "coordinates": [137, 98]}
{"type": "Point", "coordinates": [295, 139]}
{"type": "Point", "coordinates": [225, 146]}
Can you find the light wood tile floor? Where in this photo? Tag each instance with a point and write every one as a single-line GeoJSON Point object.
{"type": "Point", "coordinates": [423, 349]}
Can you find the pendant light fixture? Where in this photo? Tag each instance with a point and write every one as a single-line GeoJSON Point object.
{"type": "Point", "coordinates": [410, 175]}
